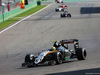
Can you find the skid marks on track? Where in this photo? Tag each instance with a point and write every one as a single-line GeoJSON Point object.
{"type": "Point", "coordinates": [47, 16]}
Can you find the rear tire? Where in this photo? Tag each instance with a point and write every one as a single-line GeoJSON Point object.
{"type": "Point", "coordinates": [55, 10]}
{"type": "Point", "coordinates": [69, 15]}
{"type": "Point", "coordinates": [61, 15]}
{"type": "Point", "coordinates": [81, 53]}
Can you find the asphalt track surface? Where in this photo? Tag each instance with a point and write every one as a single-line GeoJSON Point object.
{"type": "Point", "coordinates": [37, 33]}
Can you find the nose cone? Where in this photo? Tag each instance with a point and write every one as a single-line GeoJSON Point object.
{"type": "Point", "coordinates": [40, 57]}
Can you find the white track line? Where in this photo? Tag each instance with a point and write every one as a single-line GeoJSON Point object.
{"type": "Point", "coordinates": [24, 19]}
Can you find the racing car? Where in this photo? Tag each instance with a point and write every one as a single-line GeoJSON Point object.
{"type": "Point", "coordinates": [59, 1]}
{"type": "Point", "coordinates": [59, 9]}
{"type": "Point", "coordinates": [65, 14]}
{"type": "Point", "coordinates": [62, 53]}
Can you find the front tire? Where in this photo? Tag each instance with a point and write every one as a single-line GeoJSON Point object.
{"type": "Point", "coordinates": [29, 62]}
{"type": "Point", "coordinates": [58, 58]}
{"type": "Point", "coordinates": [81, 53]}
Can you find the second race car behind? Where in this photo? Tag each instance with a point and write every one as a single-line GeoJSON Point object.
{"type": "Point", "coordinates": [59, 1]}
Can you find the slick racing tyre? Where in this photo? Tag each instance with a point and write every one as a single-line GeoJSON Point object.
{"type": "Point", "coordinates": [59, 60]}
{"type": "Point", "coordinates": [69, 15]}
{"type": "Point", "coordinates": [61, 15]}
{"type": "Point", "coordinates": [56, 10]}
{"type": "Point", "coordinates": [81, 53]}
{"type": "Point", "coordinates": [29, 60]}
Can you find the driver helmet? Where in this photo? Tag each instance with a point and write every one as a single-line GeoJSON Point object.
{"type": "Point", "coordinates": [57, 44]}
{"type": "Point", "coordinates": [53, 49]}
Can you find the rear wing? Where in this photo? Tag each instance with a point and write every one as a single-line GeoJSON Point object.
{"type": "Point", "coordinates": [71, 41]}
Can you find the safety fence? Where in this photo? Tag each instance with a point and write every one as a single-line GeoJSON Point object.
{"type": "Point", "coordinates": [5, 14]}
{"type": "Point", "coordinates": [12, 5]}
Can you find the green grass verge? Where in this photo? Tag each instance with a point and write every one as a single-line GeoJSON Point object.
{"type": "Point", "coordinates": [18, 17]}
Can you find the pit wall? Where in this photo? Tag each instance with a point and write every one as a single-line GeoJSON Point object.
{"type": "Point", "coordinates": [17, 11]}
